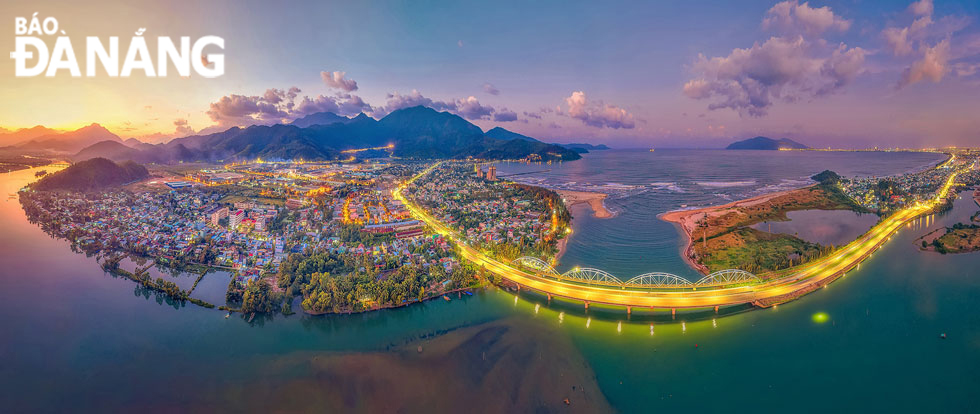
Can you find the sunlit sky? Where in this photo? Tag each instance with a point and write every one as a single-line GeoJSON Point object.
{"type": "Point", "coordinates": [627, 74]}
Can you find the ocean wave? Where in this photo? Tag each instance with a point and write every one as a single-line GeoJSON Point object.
{"type": "Point", "coordinates": [725, 184]}
{"type": "Point", "coordinates": [667, 186]}
{"type": "Point", "coordinates": [783, 185]}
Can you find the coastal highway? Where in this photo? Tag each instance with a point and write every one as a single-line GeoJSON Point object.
{"type": "Point", "coordinates": [784, 286]}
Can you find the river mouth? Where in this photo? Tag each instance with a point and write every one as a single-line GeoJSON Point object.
{"type": "Point", "coordinates": [826, 227]}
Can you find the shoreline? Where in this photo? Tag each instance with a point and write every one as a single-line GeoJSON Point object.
{"type": "Point", "coordinates": [595, 201]}
{"type": "Point", "coordinates": [687, 221]}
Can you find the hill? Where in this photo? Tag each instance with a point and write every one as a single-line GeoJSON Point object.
{"type": "Point", "coordinates": [71, 141]}
{"type": "Point", "coordinates": [90, 175]}
{"type": "Point", "coordinates": [590, 147]}
{"type": "Point", "coordinates": [505, 135]}
{"type": "Point", "coordinates": [23, 135]}
{"type": "Point", "coordinates": [320, 118]}
{"type": "Point", "coordinates": [764, 143]}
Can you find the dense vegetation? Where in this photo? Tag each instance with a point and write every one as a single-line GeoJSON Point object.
{"type": "Point", "coordinates": [959, 238]}
{"type": "Point", "coordinates": [759, 251]}
{"type": "Point", "coordinates": [91, 175]}
{"type": "Point", "coordinates": [347, 283]}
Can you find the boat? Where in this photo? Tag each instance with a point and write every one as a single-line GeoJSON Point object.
{"type": "Point", "coordinates": [468, 293]}
{"type": "Point", "coordinates": [446, 298]}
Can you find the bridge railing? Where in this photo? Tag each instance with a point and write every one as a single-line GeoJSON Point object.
{"type": "Point", "coordinates": [647, 281]}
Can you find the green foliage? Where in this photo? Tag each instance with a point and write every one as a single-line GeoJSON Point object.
{"type": "Point", "coordinates": [764, 251]}
{"type": "Point", "coordinates": [93, 174]}
{"type": "Point", "coordinates": [258, 297]}
{"type": "Point", "coordinates": [827, 177]}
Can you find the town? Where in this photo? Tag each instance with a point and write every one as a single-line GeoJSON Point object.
{"type": "Point", "coordinates": [283, 229]}
{"type": "Point", "coordinates": [506, 219]}
{"type": "Point", "coordinates": [884, 195]}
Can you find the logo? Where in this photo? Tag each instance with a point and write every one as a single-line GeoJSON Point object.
{"type": "Point", "coordinates": [31, 48]}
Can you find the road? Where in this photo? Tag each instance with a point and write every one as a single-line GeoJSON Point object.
{"type": "Point", "coordinates": [798, 280]}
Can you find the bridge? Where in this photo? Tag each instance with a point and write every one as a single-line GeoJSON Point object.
{"type": "Point", "coordinates": [653, 280]}
{"type": "Point", "coordinates": [667, 291]}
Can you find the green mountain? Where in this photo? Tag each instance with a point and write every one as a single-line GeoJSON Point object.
{"type": "Point", "coordinates": [764, 143]}
{"type": "Point", "coordinates": [320, 118]}
{"type": "Point", "coordinates": [505, 135]}
{"type": "Point", "coordinates": [91, 175]}
{"type": "Point", "coordinates": [416, 132]}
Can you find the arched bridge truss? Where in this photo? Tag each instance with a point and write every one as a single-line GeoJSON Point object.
{"type": "Point", "coordinates": [652, 280]}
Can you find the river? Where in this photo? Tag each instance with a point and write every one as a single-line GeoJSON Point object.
{"type": "Point", "coordinates": [76, 339]}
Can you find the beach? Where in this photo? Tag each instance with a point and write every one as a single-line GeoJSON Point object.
{"type": "Point", "coordinates": [594, 200]}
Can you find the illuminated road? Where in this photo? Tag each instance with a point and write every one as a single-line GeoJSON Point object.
{"type": "Point", "coordinates": [785, 285]}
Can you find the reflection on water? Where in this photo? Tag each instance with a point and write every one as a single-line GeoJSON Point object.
{"type": "Point", "coordinates": [827, 227]}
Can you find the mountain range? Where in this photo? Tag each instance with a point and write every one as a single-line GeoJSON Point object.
{"type": "Point", "coordinates": [765, 143]}
{"type": "Point", "coordinates": [40, 138]}
{"type": "Point", "coordinates": [416, 132]}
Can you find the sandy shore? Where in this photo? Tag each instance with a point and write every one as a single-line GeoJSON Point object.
{"type": "Point", "coordinates": [594, 200]}
{"type": "Point", "coordinates": [505, 366]}
{"type": "Point", "coordinates": [688, 221]}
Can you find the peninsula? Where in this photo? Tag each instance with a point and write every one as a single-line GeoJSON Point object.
{"type": "Point", "coordinates": [595, 201]}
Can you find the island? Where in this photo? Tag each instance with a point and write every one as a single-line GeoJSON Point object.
{"type": "Point", "coordinates": [765, 143]}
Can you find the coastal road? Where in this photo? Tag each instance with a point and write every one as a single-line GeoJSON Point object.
{"type": "Point", "coordinates": [788, 285]}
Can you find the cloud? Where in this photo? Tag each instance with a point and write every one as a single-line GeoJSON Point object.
{"type": "Point", "coordinates": [841, 68]}
{"type": "Point", "coordinates": [786, 69]}
{"type": "Point", "coordinates": [966, 69]}
{"type": "Point", "coordinates": [396, 101]}
{"type": "Point", "coordinates": [598, 114]}
{"type": "Point", "coordinates": [459, 43]}
{"type": "Point", "coordinates": [505, 115]}
{"type": "Point", "coordinates": [239, 109]}
{"type": "Point", "coordinates": [470, 108]}
{"type": "Point", "coordinates": [793, 17]}
{"type": "Point", "coordinates": [933, 65]}
{"type": "Point", "coordinates": [489, 88]}
{"type": "Point", "coordinates": [182, 128]}
{"type": "Point", "coordinates": [337, 80]}
{"type": "Point", "coordinates": [921, 8]}
{"type": "Point", "coordinates": [900, 39]}
{"type": "Point", "coordinates": [280, 105]}
{"type": "Point", "coordinates": [929, 42]}
{"type": "Point", "coordinates": [534, 115]}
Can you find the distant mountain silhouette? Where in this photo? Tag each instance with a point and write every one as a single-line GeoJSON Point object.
{"type": "Point", "coordinates": [71, 141]}
{"type": "Point", "coordinates": [590, 147]}
{"type": "Point", "coordinates": [90, 175]}
{"type": "Point", "coordinates": [416, 132]}
{"type": "Point", "coordinates": [23, 135]}
{"type": "Point", "coordinates": [505, 135]}
{"type": "Point", "coordinates": [320, 118]}
{"type": "Point", "coordinates": [764, 143]}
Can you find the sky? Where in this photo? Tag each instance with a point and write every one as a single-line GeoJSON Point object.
{"type": "Point", "coordinates": [690, 74]}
